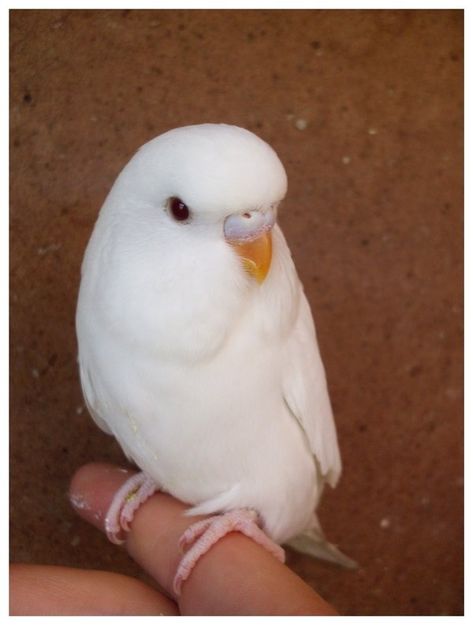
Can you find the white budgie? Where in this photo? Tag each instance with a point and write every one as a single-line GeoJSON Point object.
{"type": "Point", "coordinates": [197, 348]}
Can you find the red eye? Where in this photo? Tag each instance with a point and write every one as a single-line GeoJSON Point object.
{"type": "Point", "coordinates": [179, 210]}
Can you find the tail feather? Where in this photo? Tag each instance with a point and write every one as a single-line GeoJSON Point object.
{"type": "Point", "coordinates": [312, 542]}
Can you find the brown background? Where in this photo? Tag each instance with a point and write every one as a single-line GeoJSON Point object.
{"type": "Point", "coordinates": [365, 110]}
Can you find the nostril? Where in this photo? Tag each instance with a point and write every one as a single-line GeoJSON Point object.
{"type": "Point", "coordinates": [248, 225]}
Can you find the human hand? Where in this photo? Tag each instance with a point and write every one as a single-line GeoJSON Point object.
{"type": "Point", "coordinates": [236, 577]}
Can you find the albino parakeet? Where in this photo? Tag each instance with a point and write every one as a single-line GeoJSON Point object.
{"type": "Point", "coordinates": [197, 348]}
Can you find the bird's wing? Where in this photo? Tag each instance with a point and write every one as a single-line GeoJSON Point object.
{"type": "Point", "coordinates": [91, 397]}
{"type": "Point", "coordinates": [306, 395]}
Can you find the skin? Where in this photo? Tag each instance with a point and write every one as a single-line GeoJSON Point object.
{"type": "Point", "coordinates": [236, 577]}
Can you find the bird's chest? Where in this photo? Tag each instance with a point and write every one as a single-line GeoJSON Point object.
{"type": "Point", "coordinates": [200, 430]}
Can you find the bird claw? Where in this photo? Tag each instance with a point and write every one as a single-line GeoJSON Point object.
{"type": "Point", "coordinates": [126, 501]}
{"type": "Point", "coordinates": [193, 532]}
{"type": "Point", "coordinates": [202, 535]}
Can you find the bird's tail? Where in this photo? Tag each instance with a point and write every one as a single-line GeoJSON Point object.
{"type": "Point", "coordinates": [312, 542]}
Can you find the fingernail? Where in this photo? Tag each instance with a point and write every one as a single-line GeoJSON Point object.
{"type": "Point", "coordinates": [79, 502]}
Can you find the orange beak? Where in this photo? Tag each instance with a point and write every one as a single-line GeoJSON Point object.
{"type": "Point", "coordinates": [255, 255]}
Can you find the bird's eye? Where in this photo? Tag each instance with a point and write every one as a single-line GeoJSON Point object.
{"type": "Point", "coordinates": [178, 209]}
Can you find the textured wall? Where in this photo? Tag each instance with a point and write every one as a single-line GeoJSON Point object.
{"type": "Point", "coordinates": [365, 110]}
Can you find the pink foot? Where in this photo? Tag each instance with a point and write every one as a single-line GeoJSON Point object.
{"type": "Point", "coordinates": [126, 501]}
{"type": "Point", "coordinates": [200, 537]}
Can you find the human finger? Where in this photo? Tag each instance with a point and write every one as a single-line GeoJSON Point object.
{"type": "Point", "coordinates": [37, 590]}
{"type": "Point", "coordinates": [236, 576]}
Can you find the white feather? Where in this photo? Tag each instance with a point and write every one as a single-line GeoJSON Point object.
{"type": "Point", "coordinates": [210, 382]}
{"type": "Point", "coordinates": [305, 391]}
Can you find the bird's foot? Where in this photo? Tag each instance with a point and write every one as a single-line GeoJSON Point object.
{"type": "Point", "coordinates": [128, 498]}
{"type": "Point", "coordinates": [199, 538]}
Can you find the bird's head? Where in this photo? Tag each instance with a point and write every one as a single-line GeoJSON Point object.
{"type": "Point", "coordinates": [184, 241]}
{"type": "Point", "coordinates": [211, 183]}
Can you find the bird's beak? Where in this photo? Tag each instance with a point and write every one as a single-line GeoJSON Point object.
{"type": "Point", "coordinates": [250, 236]}
{"type": "Point", "coordinates": [256, 255]}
